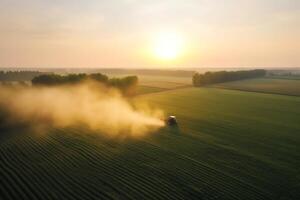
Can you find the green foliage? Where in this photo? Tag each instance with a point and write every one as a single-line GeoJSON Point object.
{"type": "Point", "coordinates": [265, 85]}
{"type": "Point", "coordinates": [18, 75]}
{"type": "Point", "coordinates": [127, 85]}
{"type": "Point", "coordinates": [251, 137]}
{"type": "Point", "coordinates": [123, 82]}
{"type": "Point", "coordinates": [99, 77]}
{"type": "Point", "coordinates": [56, 79]}
{"type": "Point", "coordinates": [229, 145]}
{"type": "Point", "coordinates": [224, 76]}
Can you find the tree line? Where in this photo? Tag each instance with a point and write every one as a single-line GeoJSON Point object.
{"type": "Point", "coordinates": [226, 76]}
{"type": "Point", "coordinates": [127, 85]}
{"type": "Point", "coordinates": [18, 75]}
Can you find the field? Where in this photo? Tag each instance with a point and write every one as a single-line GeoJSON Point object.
{"type": "Point", "coordinates": [165, 81]}
{"type": "Point", "coordinates": [153, 84]}
{"type": "Point", "coordinates": [295, 76]}
{"type": "Point", "coordinates": [149, 89]}
{"type": "Point", "coordinates": [266, 85]}
{"type": "Point", "coordinates": [229, 145]}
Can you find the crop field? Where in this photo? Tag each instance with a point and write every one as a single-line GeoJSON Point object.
{"type": "Point", "coordinates": [291, 77]}
{"type": "Point", "coordinates": [228, 145]}
{"type": "Point", "coordinates": [165, 81]}
{"type": "Point", "coordinates": [153, 84]}
{"type": "Point", "coordinates": [267, 85]}
{"type": "Point", "coordinates": [148, 89]}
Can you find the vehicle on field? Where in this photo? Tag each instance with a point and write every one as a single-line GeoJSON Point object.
{"type": "Point", "coordinates": [171, 121]}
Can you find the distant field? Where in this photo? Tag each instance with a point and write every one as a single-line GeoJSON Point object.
{"type": "Point", "coordinates": [165, 82]}
{"type": "Point", "coordinates": [152, 84]}
{"type": "Point", "coordinates": [277, 86]}
{"type": "Point", "coordinates": [148, 89]}
{"type": "Point", "coordinates": [286, 77]}
{"type": "Point", "coordinates": [229, 145]}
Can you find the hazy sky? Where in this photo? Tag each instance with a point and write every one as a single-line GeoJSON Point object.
{"type": "Point", "coordinates": [119, 33]}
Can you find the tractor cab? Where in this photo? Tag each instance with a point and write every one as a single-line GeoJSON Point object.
{"type": "Point", "coordinates": [171, 121]}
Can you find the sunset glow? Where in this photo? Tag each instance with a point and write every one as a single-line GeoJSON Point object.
{"type": "Point", "coordinates": [149, 34]}
{"type": "Point", "coordinates": [168, 45]}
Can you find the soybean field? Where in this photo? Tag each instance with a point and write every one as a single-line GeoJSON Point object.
{"type": "Point", "coordinates": [228, 145]}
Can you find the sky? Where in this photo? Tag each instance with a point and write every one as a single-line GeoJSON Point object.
{"type": "Point", "coordinates": [124, 33]}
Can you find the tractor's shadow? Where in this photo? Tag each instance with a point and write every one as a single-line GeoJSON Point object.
{"type": "Point", "coordinates": [174, 129]}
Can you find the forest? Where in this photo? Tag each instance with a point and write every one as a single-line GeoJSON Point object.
{"type": "Point", "coordinates": [127, 85]}
{"type": "Point", "coordinates": [18, 75]}
{"type": "Point", "coordinates": [226, 76]}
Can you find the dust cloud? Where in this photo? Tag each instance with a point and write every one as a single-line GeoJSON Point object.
{"type": "Point", "coordinates": [100, 108]}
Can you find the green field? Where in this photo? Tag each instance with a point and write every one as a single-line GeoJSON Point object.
{"type": "Point", "coordinates": [166, 82]}
{"type": "Point", "coordinates": [148, 89]}
{"type": "Point", "coordinates": [229, 145]}
{"type": "Point", "coordinates": [293, 77]}
{"type": "Point", "coordinates": [276, 86]}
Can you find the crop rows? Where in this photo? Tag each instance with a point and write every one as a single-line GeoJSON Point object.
{"type": "Point", "coordinates": [56, 166]}
{"type": "Point", "coordinates": [215, 153]}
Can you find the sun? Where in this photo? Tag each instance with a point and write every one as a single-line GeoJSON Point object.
{"type": "Point", "coordinates": [167, 45]}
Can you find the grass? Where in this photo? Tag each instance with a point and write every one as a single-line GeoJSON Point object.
{"type": "Point", "coordinates": [166, 82]}
{"type": "Point", "coordinates": [276, 86]}
{"type": "Point", "coordinates": [229, 145]}
{"type": "Point", "coordinates": [293, 77]}
{"type": "Point", "coordinates": [251, 137]}
{"type": "Point", "coordinates": [147, 89]}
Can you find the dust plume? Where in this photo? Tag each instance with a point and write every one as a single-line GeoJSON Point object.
{"type": "Point", "coordinates": [90, 104]}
